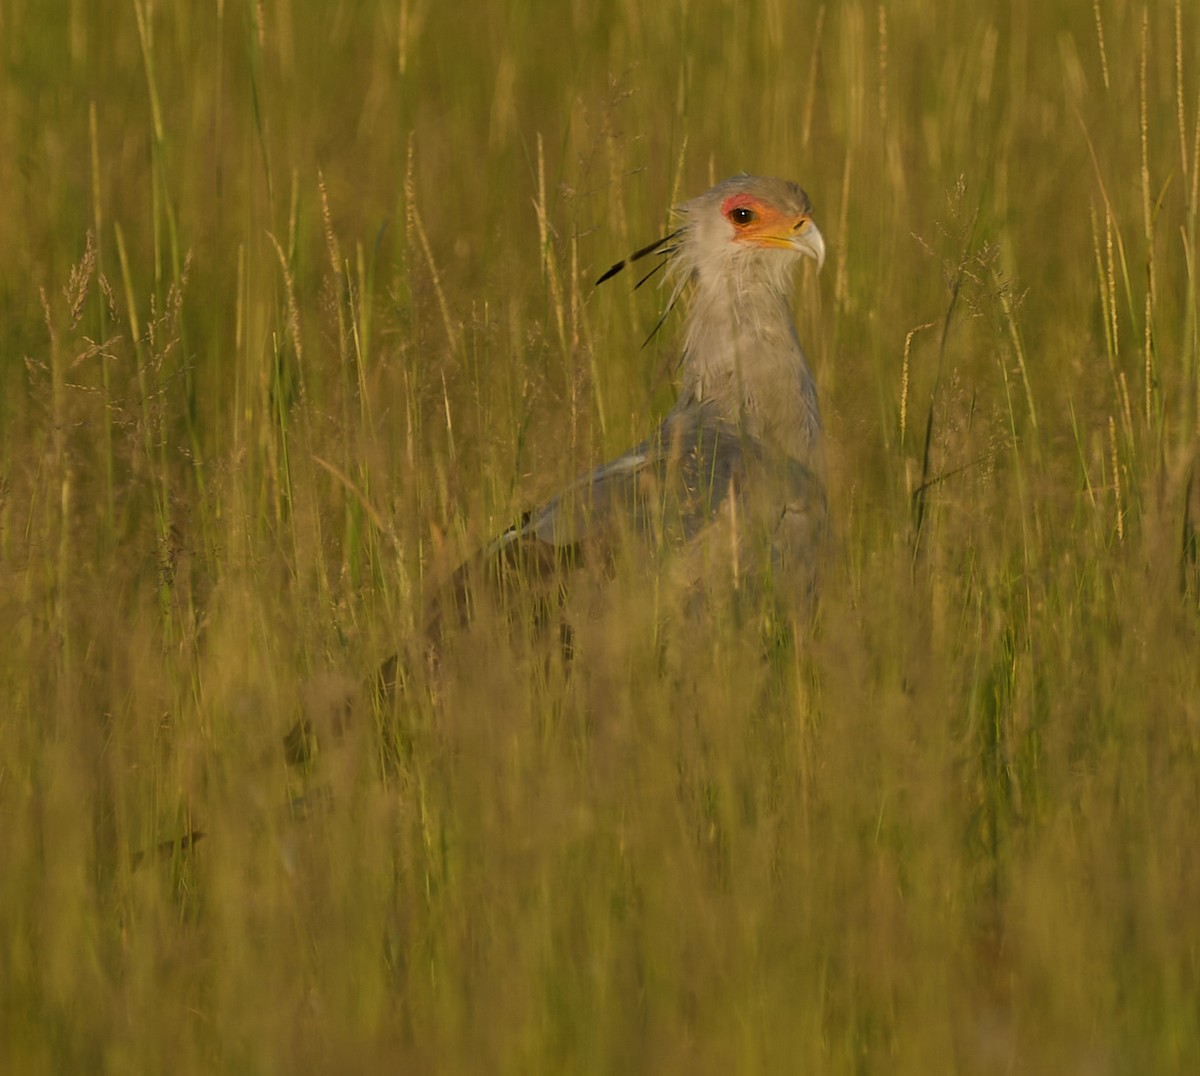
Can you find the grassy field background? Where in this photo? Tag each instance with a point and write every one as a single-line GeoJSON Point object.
{"type": "Point", "coordinates": [296, 309]}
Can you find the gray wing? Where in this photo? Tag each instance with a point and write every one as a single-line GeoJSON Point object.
{"type": "Point", "coordinates": [665, 489]}
{"type": "Point", "coordinates": [696, 485]}
{"type": "Point", "coordinates": [695, 471]}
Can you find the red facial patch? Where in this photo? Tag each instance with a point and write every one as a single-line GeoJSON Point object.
{"type": "Point", "coordinates": [735, 201]}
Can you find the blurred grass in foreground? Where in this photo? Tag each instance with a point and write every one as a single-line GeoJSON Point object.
{"type": "Point", "coordinates": [295, 312]}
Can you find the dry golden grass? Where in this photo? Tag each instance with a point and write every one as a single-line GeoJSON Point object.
{"type": "Point", "coordinates": [296, 312]}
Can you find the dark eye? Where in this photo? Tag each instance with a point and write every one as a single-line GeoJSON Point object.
{"type": "Point", "coordinates": [742, 215]}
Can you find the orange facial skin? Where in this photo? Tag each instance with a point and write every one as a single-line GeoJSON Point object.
{"type": "Point", "coordinates": [761, 223]}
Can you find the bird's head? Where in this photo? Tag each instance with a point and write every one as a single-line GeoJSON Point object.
{"type": "Point", "coordinates": [745, 230]}
{"type": "Point", "coordinates": [746, 233]}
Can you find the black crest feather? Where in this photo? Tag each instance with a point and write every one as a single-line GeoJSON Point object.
{"type": "Point", "coordinates": [657, 245]}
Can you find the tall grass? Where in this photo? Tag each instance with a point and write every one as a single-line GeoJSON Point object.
{"type": "Point", "coordinates": [296, 311]}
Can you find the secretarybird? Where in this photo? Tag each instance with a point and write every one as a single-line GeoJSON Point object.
{"type": "Point", "coordinates": [730, 485]}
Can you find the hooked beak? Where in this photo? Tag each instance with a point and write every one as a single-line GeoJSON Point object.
{"type": "Point", "coordinates": [810, 241]}
{"type": "Point", "coordinates": [801, 234]}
